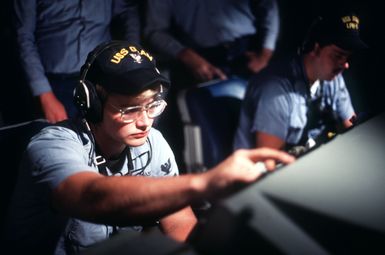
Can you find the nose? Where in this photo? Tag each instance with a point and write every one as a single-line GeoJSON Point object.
{"type": "Point", "coordinates": [143, 120]}
{"type": "Point", "coordinates": [343, 62]}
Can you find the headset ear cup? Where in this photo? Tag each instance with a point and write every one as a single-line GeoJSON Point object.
{"type": "Point", "coordinates": [85, 96]}
{"type": "Point", "coordinates": [88, 101]}
{"type": "Point", "coordinates": [81, 97]}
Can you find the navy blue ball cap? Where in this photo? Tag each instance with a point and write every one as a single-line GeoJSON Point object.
{"type": "Point", "coordinates": [123, 68]}
{"type": "Point", "coordinates": [342, 30]}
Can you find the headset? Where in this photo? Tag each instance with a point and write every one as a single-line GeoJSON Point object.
{"type": "Point", "coordinates": [86, 98]}
{"type": "Point", "coordinates": [90, 105]}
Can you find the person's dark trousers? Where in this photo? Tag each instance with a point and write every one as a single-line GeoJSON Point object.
{"type": "Point", "coordinates": [63, 86]}
{"type": "Point", "coordinates": [230, 56]}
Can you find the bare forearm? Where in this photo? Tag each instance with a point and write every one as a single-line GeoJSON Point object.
{"type": "Point", "coordinates": [199, 66]}
{"type": "Point", "coordinates": [267, 140]}
{"type": "Point", "coordinates": [190, 58]}
{"type": "Point", "coordinates": [179, 225]}
{"type": "Point", "coordinates": [266, 54]}
{"type": "Point", "coordinates": [126, 200]}
{"type": "Point", "coordinates": [258, 61]}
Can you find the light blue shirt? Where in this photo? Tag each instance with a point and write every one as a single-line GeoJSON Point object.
{"type": "Point", "coordinates": [53, 155]}
{"type": "Point", "coordinates": [55, 36]}
{"type": "Point", "coordinates": [206, 23]}
{"type": "Point", "coordinates": [277, 102]}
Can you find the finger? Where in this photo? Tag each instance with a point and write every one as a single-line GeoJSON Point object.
{"type": "Point", "coordinates": [209, 75]}
{"type": "Point", "coordinates": [260, 167]}
{"type": "Point", "coordinates": [51, 120]}
{"type": "Point", "coordinates": [206, 74]}
{"type": "Point", "coordinates": [263, 167]}
{"type": "Point", "coordinates": [201, 76]}
{"type": "Point", "coordinates": [220, 74]}
{"type": "Point", "coordinates": [262, 154]}
{"type": "Point", "coordinates": [270, 164]}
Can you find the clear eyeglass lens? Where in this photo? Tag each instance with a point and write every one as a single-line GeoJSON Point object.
{"type": "Point", "coordinates": [153, 110]}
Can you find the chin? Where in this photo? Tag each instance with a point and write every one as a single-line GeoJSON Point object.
{"type": "Point", "coordinates": [135, 142]}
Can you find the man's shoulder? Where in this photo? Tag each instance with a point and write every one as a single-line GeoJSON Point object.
{"type": "Point", "coordinates": [271, 84]}
{"type": "Point", "coordinates": [162, 154]}
{"type": "Point", "coordinates": [158, 142]}
{"type": "Point", "coordinates": [281, 74]}
{"type": "Point", "coordinates": [335, 86]}
{"type": "Point", "coordinates": [155, 135]}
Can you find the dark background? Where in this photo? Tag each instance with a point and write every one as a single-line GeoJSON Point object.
{"type": "Point", "coordinates": [364, 78]}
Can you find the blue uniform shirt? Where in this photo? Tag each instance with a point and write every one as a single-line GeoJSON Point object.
{"type": "Point", "coordinates": [207, 23]}
{"type": "Point", "coordinates": [278, 102]}
{"type": "Point", "coordinates": [53, 155]}
{"type": "Point", "coordinates": [55, 36]}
